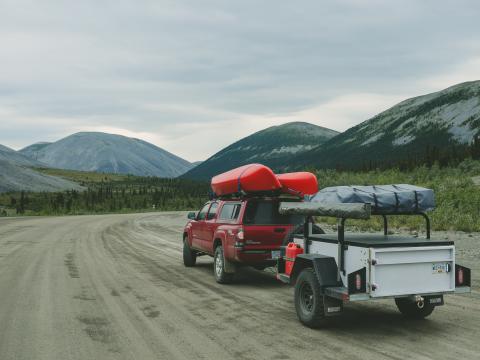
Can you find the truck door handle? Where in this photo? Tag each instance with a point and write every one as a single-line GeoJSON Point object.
{"type": "Point", "coordinates": [279, 230]}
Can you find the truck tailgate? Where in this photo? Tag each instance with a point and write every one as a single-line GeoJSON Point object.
{"type": "Point", "coordinates": [412, 270]}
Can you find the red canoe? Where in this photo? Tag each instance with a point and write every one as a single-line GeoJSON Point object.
{"type": "Point", "coordinates": [301, 183]}
{"type": "Point", "coordinates": [252, 178]}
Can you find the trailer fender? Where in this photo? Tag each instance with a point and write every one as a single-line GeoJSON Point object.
{"type": "Point", "coordinates": [325, 268]}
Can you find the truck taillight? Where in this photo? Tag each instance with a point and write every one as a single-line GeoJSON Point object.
{"type": "Point", "coordinates": [358, 281]}
{"type": "Point", "coordinates": [240, 235]}
{"type": "Point", "coordinates": [460, 276]}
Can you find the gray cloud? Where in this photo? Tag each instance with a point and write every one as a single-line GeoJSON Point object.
{"type": "Point", "coordinates": [193, 76]}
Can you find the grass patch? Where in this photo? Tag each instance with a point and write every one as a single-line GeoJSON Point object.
{"type": "Point", "coordinates": [457, 196]}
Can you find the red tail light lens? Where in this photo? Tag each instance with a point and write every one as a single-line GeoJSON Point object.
{"type": "Point", "coordinates": [240, 235]}
{"type": "Point", "coordinates": [358, 281]}
{"type": "Point", "coordinates": [460, 276]}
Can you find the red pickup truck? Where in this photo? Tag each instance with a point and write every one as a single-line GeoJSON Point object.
{"type": "Point", "coordinates": [237, 232]}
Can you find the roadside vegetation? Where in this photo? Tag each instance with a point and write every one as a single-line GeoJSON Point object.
{"type": "Point", "coordinates": [457, 195]}
{"type": "Point", "coordinates": [107, 193]}
{"type": "Point", "coordinates": [456, 189]}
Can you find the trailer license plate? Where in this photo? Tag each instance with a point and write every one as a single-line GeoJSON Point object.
{"type": "Point", "coordinates": [275, 254]}
{"type": "Point", "coordinates": [440, 268]}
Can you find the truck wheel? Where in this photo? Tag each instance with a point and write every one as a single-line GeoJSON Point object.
{"type": "Point", "coordinates": [189, 255]}
{"type": "Point", "coordinates": [219, 267]}
{"type": "Point", "coordinates": [412, 309]}
{"type": "Point", "coordinates": [309, 302]}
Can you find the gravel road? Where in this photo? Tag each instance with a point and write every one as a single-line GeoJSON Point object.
{"type": "Point", "coordinates": [114, 287]}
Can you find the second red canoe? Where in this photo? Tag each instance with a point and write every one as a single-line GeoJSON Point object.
{"type": "Point", "coordinates": [299, 183]}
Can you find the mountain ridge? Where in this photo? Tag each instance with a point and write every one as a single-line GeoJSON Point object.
{"type": "Point", "coordinates": [272, 146]}
{"type": "Point", "coordinates": [109, 153]}
{"type": "Point", "coordinates": [405, 132]}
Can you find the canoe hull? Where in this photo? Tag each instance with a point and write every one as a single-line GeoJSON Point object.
{"type": "Point", "coordinates": [301, 183]}
{"type": "Point", "coordinates": [252, 178]}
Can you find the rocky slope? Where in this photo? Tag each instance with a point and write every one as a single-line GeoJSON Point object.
{"type": "Point", "coordinates": [409, 130]}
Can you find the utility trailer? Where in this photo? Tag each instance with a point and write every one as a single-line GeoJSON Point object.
{"type": "Point", "coordinates": [329, 270]}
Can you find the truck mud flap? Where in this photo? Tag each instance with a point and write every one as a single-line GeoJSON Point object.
{"type": "Point", "coordinates": [229, 266]}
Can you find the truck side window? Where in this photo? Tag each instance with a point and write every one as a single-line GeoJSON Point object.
{"type": "Point", "coordinates": [236, 211]}
{"type": "Point", "coordinates": [203, 213]}
{"type": "Point", "coordinates": [213, 211]}
{"type": "Point", "coordinates": [229, 211]}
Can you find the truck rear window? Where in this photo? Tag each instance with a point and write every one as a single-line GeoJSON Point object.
{"type": "Point", "coordinates": [266, 213]}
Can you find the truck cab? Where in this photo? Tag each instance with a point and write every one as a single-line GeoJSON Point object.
{"type": "Point", "coordinates": [238, 232]}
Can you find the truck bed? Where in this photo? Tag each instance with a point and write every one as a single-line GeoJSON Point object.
{"type": "Point", "coordinates": [379, 240]}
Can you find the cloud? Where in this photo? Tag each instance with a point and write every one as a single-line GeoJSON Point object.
{"type": "Point", "coordinates": [194, 76]}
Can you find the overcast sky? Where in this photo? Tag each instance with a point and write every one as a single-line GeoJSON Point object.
{"type": "Point", "coordinates": [193, 76]}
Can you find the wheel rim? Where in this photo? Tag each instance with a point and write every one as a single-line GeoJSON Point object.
{"type": "Point", "coordinates": [307, 300]}
{"type": "Point", "coordinates": [218, 265]}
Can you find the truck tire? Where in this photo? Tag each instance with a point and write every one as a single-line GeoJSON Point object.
{"type": "Point", "coordinates": [412, 309]}
{"type": "Point", "coordinates": [309, 302]}
{"type": "Point", "coordinates": [219, 267]}
{"type": "Point", "coordinates": [189, 255]}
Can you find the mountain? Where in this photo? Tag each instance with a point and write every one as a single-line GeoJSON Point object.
{"type": "Point", "coordinates": [15, 177]}
{"type": "Point", "coordinates": [101, 152]}
{"type": "Point", "coordinates": [10, 155]}
{"type": "Point", "coordinates": [274, 147]}
{"type": "Point", "coordinates": [32, 150]}
{"type": "Point", "coordinates": [16, 174]}
{"type": "Point", "coordinates": [443, 122]}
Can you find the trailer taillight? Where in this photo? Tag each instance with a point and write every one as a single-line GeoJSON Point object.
{"type": "Point", "coordinates": [358, 282]}
{"type": "Point", "coordinates": [463, 276]}
{"type": "Point", "coordinates": [460, 276]}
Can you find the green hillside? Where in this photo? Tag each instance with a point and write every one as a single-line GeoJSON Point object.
{"type": "Point", "coordinates": [440, 126]}
{"type": "Point", "coordinates": [274, 147]}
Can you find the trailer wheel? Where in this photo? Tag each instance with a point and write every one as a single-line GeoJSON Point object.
{"type": "Point", "coordinates": [189, 255]}
{"type": "Point", "coordinates": [219, 267]}
{"type": "Point", "coordinates": [414, 310]}
{"type": "Point", "coordinates": [309, 302]}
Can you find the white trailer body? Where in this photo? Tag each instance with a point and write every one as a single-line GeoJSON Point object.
{"type": "Point", "coordinates": [329, 270]}
{"type": "Point", "coordinates": [394, 266]}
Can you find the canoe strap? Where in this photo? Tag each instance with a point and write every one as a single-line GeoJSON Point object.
{"type": "Point", "coordinates": [239, 182]}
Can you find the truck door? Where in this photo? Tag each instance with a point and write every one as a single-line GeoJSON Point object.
{"type": "Point", "coordinates": [198, 227]}
{"type": "Point", "coordinates": [210, 225]}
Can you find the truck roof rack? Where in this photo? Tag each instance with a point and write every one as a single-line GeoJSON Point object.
{"type": "Point", "coordinates": [277, 194]}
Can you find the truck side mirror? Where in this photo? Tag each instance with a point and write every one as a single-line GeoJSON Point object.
{"type": "Point", "coordinates": [192, 215]}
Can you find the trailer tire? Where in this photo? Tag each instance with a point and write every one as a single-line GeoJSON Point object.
{"type": "Point", "coordinates": [413, 310]}
{"type": "Point", "coordinates": [189, 255]}
{"type": "Point", "coordinates": [219, 267]}
{"type": "Point", "coordinates": [309, 302]}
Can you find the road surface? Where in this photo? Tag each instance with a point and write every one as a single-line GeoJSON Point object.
{"type": "Point", "coordinates": [114, 287]}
